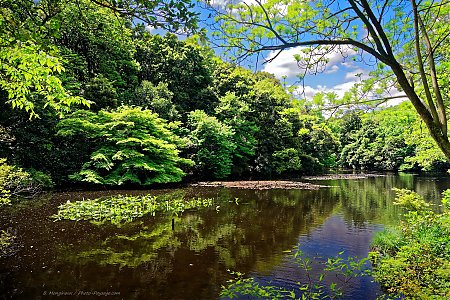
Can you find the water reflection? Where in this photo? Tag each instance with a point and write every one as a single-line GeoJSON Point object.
{"type": "Point", "coordinates": [149, 260]}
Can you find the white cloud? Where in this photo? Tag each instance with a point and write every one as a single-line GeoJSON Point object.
{"type": "Point", "coordinates": [332, 69]}
{"type": "Point", "coordinates": [308, 92]}
{"type": "Point", "coordinates": [219, 3]}
{"type": "Point", "coordinates": [223, 3]}
{"type": "Point", "coordinates": [357, 73]}
{"type": "Point", "coordinates": [285, 64]}
{"type": "Point", "coordinates": [349, 64]}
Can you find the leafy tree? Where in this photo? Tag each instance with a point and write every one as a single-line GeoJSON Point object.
{"type": "Point", "coordinates": [94, 43]}
{"type": "Point", "coordinates": [132, 145]}
{"type": "Point", "coordinates": [406, 37]}
{"type": "Point", "coordinates": [29, 61]}
{"type": "Point", "coordinates": [101, 92]}
{"type": "Point", "coordinates": [349, 124]}
{"type": "Point", "coordinates": [211, 145]}
{"type": "Point", "coordinates": [267, 99]}
{"type": "Point", "coordinates": [157, 98]}
{"type": "Point", "coordinates": [181, 66]}
{"type": "Point", "coordinates": [235, 112]}
{"type": "Point", "coordinates": [379, 140]}
{"type": "Point", "coordinates": [28, 69]}
{"type": "Point", "coordinates": [286, 160]}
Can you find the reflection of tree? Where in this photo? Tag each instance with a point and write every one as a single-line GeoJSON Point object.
{"type": "Point", "coordinates": [147, 259]}
{"type": "Point", "coordinates": [248, 235]}
{"type": "Point", "coordinates": [371, 200]}
{"type": "Point", "coordinates": [247, 226]}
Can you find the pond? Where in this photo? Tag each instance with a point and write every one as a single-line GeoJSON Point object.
{"type": "Point", "coordinates": [148, 259]}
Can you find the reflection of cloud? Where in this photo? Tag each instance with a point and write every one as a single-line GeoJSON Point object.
{"type": "Point", "coordinates": [286, 65]}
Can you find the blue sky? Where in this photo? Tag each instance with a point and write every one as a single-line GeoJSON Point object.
{"type": "Point", "coordinates": [338, 76]}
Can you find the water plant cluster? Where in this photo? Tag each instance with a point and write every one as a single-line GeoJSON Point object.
{"type": "Point", "coordinates": [412, 260]}
{"type": "Point", "coordinates": [122, 208]}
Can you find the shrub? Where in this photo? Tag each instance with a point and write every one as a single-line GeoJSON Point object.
{"type": "Point", "coordinates": [6, 242]}
{"type": "Point", "coordinates": [13, 181]}
{"type": "Point", "coordinates": [132, 145]}
{"type": "Point", "coordinates": [413, 259]}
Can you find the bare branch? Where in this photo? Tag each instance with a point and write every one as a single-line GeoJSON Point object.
{"type": "Point", "coordinates": [422, 73]}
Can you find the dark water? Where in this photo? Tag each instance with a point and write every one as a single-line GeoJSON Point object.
{"type": "Point", "coordinates": [149, 260]}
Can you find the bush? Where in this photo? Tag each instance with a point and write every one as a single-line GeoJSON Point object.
{"type": "Point", "coordinates": [132, 145]}
{"type": "Point", "coordinates": [6, 242]}
{"type": "Point", "coordinates": [13, 181]}
{"type": "Point", "coordinates": [211, 145]}
{"type": "Point", "coordinates": [413, 259]}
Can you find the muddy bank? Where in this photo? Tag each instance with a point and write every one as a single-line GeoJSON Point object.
{"type": "Point", "coordinates": [342, 176]}
{"type": "Point", "coordinates": [262, 185]}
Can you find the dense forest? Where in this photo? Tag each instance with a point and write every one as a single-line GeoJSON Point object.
{"type": "Point", "coordinates": [158, 109]}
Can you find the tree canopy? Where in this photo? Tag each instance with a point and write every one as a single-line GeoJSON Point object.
{"type": "Point", "coordinates": [407, 37]}
{"type": "Point", "coordinates": [30, 62]}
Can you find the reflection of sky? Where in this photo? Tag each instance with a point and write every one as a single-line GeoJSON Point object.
{"type": "Point", "coordinates": [325, 241]}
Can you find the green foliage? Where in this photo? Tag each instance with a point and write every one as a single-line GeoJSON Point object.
{"type": "Point", "coordinates": [235, 112]}
{"type": "Point", "coordinates": [13, 181]}
{"type": "Point", "coordinates": [98, 50]}
{"type": "Point", "coordinates": [157, 98]}
{"type": "Point", "coordinates": [29, 73]}
{"type": "Point", "coordinates": [414, 259]}
{"type": "Point", "coordinates": [132, 145]}
{"type": "Point", "coordinates": [41, 179]}
{"type": "Point", "coordinates": [249, 287]}
{"type": "Point", "coordinates": [410, 200]}
{"type": "Point", "coordinates": [446, 199]}
{"type": "Point", "coordinates": [122, 209]}
{"type": "Point", "coordinates": [315, 288]}
{"type": "Point", "coordinates": [30, 31]}
{"type": "Point", "coordinates": [379, 140]}
{"type": "Point", "coordinates": [211, 143]}
{"type": "Point", "coordinates": [180, 65]}
{"type": "Point", "coordinates": [286, 160]}
{"type": "Point", "coordinates": [388, 241]}
{"type": "Point", "coordinates": [101, 92]}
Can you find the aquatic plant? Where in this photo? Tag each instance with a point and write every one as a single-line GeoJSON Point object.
{"type": "Point", "coordinates": [342, 270]}
{"type": "Point", "coordinates": [121, 209]}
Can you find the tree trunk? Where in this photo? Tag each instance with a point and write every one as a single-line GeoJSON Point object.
{"type": "Point", "coordinates": [436, 129]}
